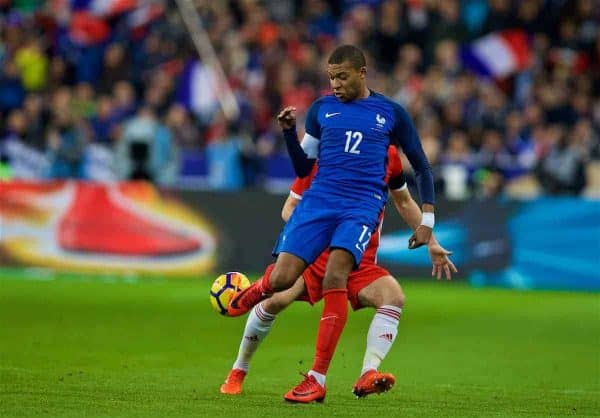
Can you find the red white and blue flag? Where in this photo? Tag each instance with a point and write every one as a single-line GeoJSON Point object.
{"type": "Point", "coordinates": [145, 10]}
{"type": "Point", "coordinates": [198, 88]}
{"type": "Point", "coordinates": [88, 20]}
{"type": "Point", "coordinates": [99, 8]}
{"type": "Point", "coordinates": [498, 54]}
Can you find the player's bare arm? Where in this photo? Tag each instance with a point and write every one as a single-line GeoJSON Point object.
{"type": "Point", "coordinates": [288, 207]}
{"type": "Point", "coordinates": [411, 214]}
{"type": "Point", "coordinates": [406, 207]}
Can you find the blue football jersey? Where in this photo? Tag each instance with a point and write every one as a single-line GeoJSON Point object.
{"type": "Point", "coordinates": [353, 139]}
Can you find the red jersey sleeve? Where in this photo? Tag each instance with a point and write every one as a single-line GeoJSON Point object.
{"type": "Point", "coordinates": [394, 163]}
{"type": "Point", "coordinates": [301, 184]}
{"type": "Point", "coordinates": [395, 178]}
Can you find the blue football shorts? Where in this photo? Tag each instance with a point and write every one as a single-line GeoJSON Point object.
{"type": "Point", "coordinates": [316, 225]}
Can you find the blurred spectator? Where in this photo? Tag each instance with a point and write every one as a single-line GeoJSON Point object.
{"type": "Point", "coordinates": [563, 170]}
{"type": "Point", "coordinates": [493, 154]}
{"type": "Point", "coordinates": [185, 135]}
{"type": "Point", "coordinates": [159, 97]}
{"type": "Point", "coordinates": [224, 161]}
{"type": "Point", "coordinates": [448, 25]}
{"type": "Point", "coordinates": [456, 165]}
{"type": "Point", "coordinates": [530, 17]}
{"type": "Point", "coordinates": [473, 13]}
{"type": "Point", "coordinates": [489, 183]}
{"type": "Point", "coordinates": [146, 151]}
{"type": "Point", "coordinates": [83, 103]}
{"type": "Point", "coordinates": [519, 145]}
{"type": "Point", "coordinates": [18, 157]}
{"type": "Point", "coordinates": [66, 142]}
{"type": "Point", "coordinates": [499, 16]}
{"type": "Point", "coordinates": [16, 126]}
{"type": "Point", "coordinates": [32, 64]}
{"type": "Point", "coordinates": [103, 123]}
{"type": "Point", "coordinates": [115, 68]}
{"type": "Point", "coordinates": [388, 35]}
{"type": "Point", "coordinates": [59, 73]}
{"type": "Point", "coordinates": [493, 107]}
{"type": "Point", "coordinates": [124, 101]}
{"type": "Point", "coordinates": [12, 92]}
{"type": "Point", "coordinates": [37, 120]}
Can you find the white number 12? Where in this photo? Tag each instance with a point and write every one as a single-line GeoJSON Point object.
{"type": "Point", "coordinates": [352, 148]}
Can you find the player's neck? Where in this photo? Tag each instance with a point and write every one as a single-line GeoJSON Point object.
{"type": "Point", "coordinates": [365, 93]}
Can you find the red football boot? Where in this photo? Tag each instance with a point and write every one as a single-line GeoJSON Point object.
{"type": "Point", "coordinates": [243, 301]}
{"type": "Point", "coordinates": [233, 383]}
{"type": "Point", "coordinates": [307, 391]}
{"type": "Point", "coordinates": [373, 381]}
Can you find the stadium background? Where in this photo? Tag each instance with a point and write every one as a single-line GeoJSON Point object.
{"type": "Point", "coordinates": [124, 164]}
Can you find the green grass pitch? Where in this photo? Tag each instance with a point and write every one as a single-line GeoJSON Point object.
{"type": "Point", "coordinates": [74, 348]}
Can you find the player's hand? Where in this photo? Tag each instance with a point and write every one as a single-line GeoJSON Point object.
{"type": "Point", "coordinates": [420, 237]}
{"type": "Point", "coordinates": [441, 262]}
{"type": "Point", "coordinates": [287, 118]}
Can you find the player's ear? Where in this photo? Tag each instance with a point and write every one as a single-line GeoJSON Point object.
{"type": "Point", "coordinates": [363, 72]}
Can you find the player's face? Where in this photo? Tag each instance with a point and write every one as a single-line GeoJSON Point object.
{"type": "Point", "coordinates": [347, 82]}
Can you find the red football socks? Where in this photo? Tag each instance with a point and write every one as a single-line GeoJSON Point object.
{"type": "Point", "coordinates": [265, 287]}
{"type": "Point", "coordinates": [333, 319]}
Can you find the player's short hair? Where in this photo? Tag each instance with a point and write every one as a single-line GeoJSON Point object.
{"type": "Point", "coordinates": [348, 53]}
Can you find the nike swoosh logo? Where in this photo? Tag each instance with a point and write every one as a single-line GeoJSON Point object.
{"type": "Point", "coordinates": [233, 304]}
{"type": "Point", "coordinates": [328, 115]}
{"type": "Point", "coordinates": [328, 317]}
{"type": "Point", "coordinates": [234, 301]}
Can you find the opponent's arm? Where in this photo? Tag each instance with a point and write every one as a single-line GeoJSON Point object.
{"type": "Point", "coordinates": [288, 207]}
{"type": "Point", "coordinates": [407, 208]}
{"type": "Point", "coordinates": [411, 214]}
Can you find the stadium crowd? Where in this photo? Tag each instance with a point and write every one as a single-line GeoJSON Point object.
{"type": "Point", "coordinates": [121, 93]}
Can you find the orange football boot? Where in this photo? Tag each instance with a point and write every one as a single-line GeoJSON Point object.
{"type": "Point", "coordinates": [243, 301]}
{"type": "Point", "coordinates": [233, 383]}
{"type": "Point", "coordinates": [307, 391]}
{"type": "Point", "coordinates": [373, 381]}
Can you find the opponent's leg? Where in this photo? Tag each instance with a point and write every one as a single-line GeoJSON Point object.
{"type": "Point", "coordinates": [333, 319]}
{"type": "Point", "coordinates": [258, 326]}
{"type": "Point", "coordinates": [277, 277]}
{"type": "Point", "coordinates": [384, 294]}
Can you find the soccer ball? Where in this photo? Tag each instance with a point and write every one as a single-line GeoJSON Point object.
{"type": "Point", "coordinates": [223, 289]}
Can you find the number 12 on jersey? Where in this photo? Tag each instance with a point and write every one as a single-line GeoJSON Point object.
{"type": "Point", "coordinates": [353, 139]}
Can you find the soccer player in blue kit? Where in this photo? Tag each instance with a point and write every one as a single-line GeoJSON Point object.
{"type": "Point", "coordinates": [349, 132]}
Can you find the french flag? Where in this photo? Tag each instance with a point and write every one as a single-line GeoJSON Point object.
{"type": "Point", "coordinates": [197, 88]}
{"type": "Point", "coordinates": [499, 54]}
{"type": "Point", "coordinates": [99, 8]}
{"type": "Point", "coordinates": [103, 7]}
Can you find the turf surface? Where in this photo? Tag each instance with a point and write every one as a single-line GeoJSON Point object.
{"type": "Point", "coordinates": [91, 348]}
